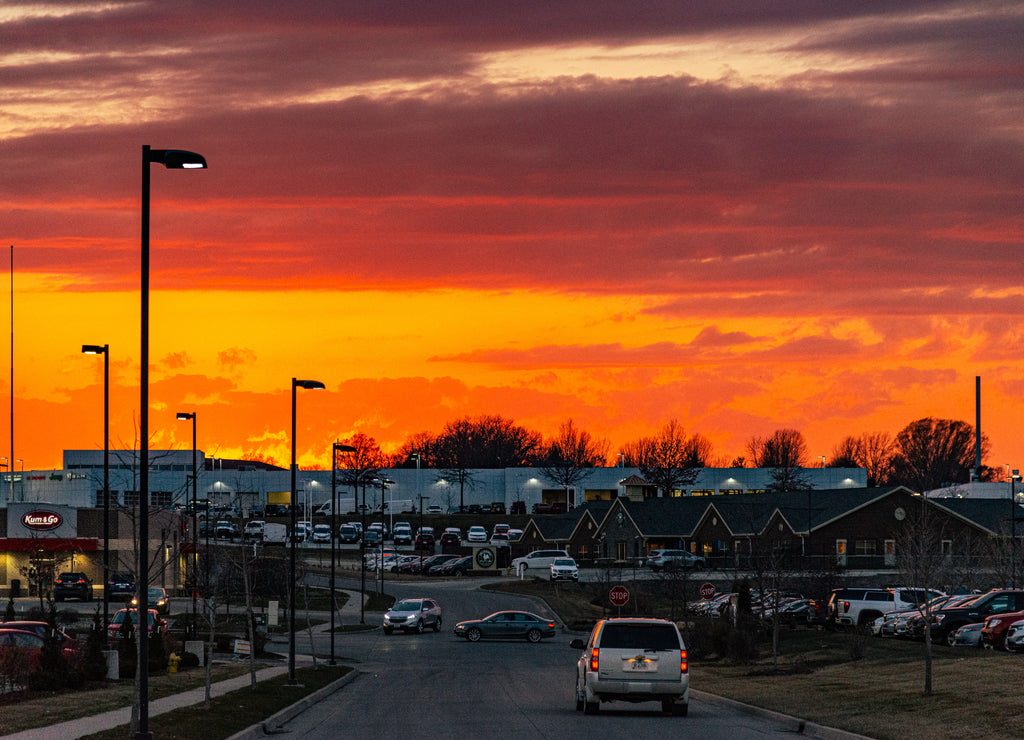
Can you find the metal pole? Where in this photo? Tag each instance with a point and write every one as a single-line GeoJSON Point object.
{"type": "Point", "coordinates": [106, 485]}
{"type": "Point", "coordinates": [334, 535]}
{"type": "Point", "coordinates": [143, 574]}
{"type": "Point", "coordinates": [291, 580]}
{"type": "Point", "coordinates": [195, 532]}
{"type": "Point", "coordinates": [362, 553]}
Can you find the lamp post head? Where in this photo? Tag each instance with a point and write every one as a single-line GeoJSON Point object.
{"type": "Point", "coordinates": [343, 448]}
{"type": "Point", "coordinates": [310, 385]}
{"type": "Point", "coordinates": [182, 416]}
{"type": "Point", "coordinates": [94, 349]}
{"type": "Point", "coordinates": [177, 159]}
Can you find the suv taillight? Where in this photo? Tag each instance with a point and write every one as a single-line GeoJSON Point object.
{"type": "Point", "coordinates": [683, 665]}
{"type": "Point", "coordinates": [594, 655]}
{"type": "Point", "coordinates": [846, 606]}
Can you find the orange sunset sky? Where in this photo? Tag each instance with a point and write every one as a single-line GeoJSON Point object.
{"type": "Point", "coordinates": [744, 215]}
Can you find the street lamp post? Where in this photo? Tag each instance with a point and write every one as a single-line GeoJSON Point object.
{"type": "Point", "coordinates": [1015, 476]}
{"type": "Point", "coordinates": [175, 159]}
{"type": "Point", "coordinates": [362, 550]}
{"type": "Point", "coordinates": [335, 449]}
{"type": "Point", "coordinates": [183, 416]}
{"type": "Point", "coordinates": [104, 349]}
{"type": "Point", "coordinates": [308, 385]}
{"type": "Point", "coordinates": [384, 483]}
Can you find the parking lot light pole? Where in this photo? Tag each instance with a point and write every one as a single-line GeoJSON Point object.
{"type": "Point", "coordinates": [182, 416]}
{"type": "Point", "coordinates": [308, 385]}
{"type": "Point", "coordinates": [335, 449]}
{"type": "Point", "coordinates": [174, 159]}
{"type": "Point", "coordinates": [362, 551]}
{"type": "Point", "coordinates": [104, 349]}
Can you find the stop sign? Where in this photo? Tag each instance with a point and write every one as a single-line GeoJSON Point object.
{"type": "Point", "coordinates": [619, 595]}
{"type": "Point", "coordinates": [707, 591]}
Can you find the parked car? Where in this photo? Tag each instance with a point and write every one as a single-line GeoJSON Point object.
{"type": "Point", "coordinates": [157, 599]}
{"type": "Point", "coordinates": [514, 535]}
{"type": "Point", "coordinates": [674, 560]}
{"type": "Point", "coordinates": [542, 508]}
{"type": "Point", "coordinates": [155, 624]}
{"type": "Point", "coordinates": [538, 561]}
{"type": "Point", "coordinates": [413, 615]}
{"type": "Point", "coordinates": [564, 569]}
{"type": "Point", "coordinates": [372, 537]}
{"type": "Point", "coordinates": [120, 585]}
{"type": "Point", "coordinates": [403, 535]}
{"type": "Point", "coordinates": [425, 539]}
{"type": "Point", "coordinates": [29, 646]}
{"type": "Point", "coordinates": [499, 540]}
{"type": "Point", "coordinates": [500, 529]}
{"type": "Point", "coordinates": [72, 585]}
{"type": "Point", "coordinates": [451, 537]}
{"type": "Point", "coordinates": [476, 534]}
{"type": "Point", "coordinates": [457, 567]}
{"type": "Point", "coordinates": [1014, 637]}
{"type": "Point", "coordinates": [348, 534]}
{"type": "Point", "coordinates": [40, 628]}
{"type": "Point", "coordinates": [254, 529]}
{"type": "Point", "coordinates": [518, 508]}
{"type": "Point", "coordinates": [969, 635]}
{"type": "Point", "coordinates": [395, 566]}
{"type": "Point", "coordinates": [633, 660]}
{"type": "Point", "coordinates": [507, 626]}
{"type": "Point", "coordinates": [434, 509]}
{"type": "Point", "coordinates": [436, 560]}
{"type": "Point", "coordinates": [224, 529]}
{"type": "Point", "coordinates": [322, 533]}
{"type": "Point", "coordinates": [949, 619]}
{"type": "Point", "coordinates": [862, 606]}
{"type": "Point", "coordinates": [994, 632]}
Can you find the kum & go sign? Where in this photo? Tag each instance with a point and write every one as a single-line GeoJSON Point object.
{"type": "Point", "coordinates": [41, 521]}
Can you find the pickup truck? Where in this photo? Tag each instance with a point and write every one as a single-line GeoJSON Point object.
{"type": "Point", "coordinates": [862, 606]}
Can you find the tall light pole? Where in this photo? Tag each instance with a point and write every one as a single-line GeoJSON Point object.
{"type": "Point", "coordinates": [1015, 476]}
{"type": "Point", "coordinates": [308, 385]}
{"type": "Point", "coordinates": [173, 159]}
{"type": "Point", "coordinates": [335, 449]}
{"type": "Point", "coordinates": [183, 416]}
{"type": "Point", "coordinates": [104, 349]}
{"type": "Point", "coordinates": [384, 483]}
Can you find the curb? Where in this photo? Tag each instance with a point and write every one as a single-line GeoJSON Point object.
{"type": "Point", "coordinates": [788, 723]}
{"type": "Point", "coordinates": [273, 725]}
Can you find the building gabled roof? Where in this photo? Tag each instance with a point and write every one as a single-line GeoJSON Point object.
{"type": "Point", "coordinates": [991, 514]}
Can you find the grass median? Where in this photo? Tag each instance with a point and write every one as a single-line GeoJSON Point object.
{"type": "Point", "coordinates": [237, 710]}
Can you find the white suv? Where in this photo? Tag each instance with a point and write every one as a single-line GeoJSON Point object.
{"type": "Point", "coordinates": [538, 560]}
{"type": "Point", "coordinates": [633, 660]}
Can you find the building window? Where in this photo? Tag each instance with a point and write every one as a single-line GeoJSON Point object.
{"type": "Point", "coordinates": [890, 552]}
{"type": "Point", "coordinates": [947, 549]}
{"type": "Point", "coordinates": [864, 547]}
{"type": "Point", "coordinates": [702, 492]}
{"type": "Point", "coordinates": [131, 498]}
{"type": "Point", "coordinates": [620, 550]}
{"type": "Point", "coordinates": [160, 498]}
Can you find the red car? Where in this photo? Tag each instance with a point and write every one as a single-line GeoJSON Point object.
{"type": "Point", "coordinates": [155, 623]}
{"type": "Point", "coordinates": [993, 634]}
{"type": "Point", "coordinates": [30, 645]}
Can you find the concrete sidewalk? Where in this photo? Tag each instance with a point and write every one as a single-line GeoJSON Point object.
{"type": "Point", "coordinates": [83, 726]}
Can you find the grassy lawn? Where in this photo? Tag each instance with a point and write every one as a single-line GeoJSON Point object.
{"type": "Point", "coordinates": [42, 709]}
{"type": "Point", "coordinates": [236, 711]}
{"type": "Point", "coordinates": [863, 684]}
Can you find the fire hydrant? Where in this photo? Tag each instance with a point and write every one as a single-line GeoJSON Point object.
{"type": "Point", "coordinates": [172, 663]}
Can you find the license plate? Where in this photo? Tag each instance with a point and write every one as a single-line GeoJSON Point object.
{"type": "Point", "coordinates": [639, 665]}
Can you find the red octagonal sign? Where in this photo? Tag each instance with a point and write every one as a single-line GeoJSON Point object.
{"type": "Point", "coordinates": [707, 591]}
{"type": "Point", "coordinates": [619, 595]}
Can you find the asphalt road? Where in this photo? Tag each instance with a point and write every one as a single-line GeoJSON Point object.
{"type": "Point", "coordinates": [434, 685]}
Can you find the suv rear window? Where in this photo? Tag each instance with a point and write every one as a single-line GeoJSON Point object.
{"type": "Point", "coordinates": [637, 636]}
